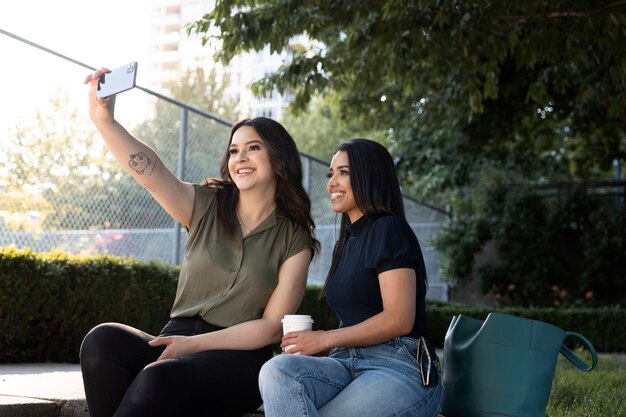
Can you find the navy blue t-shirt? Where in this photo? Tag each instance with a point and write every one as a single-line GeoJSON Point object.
{"type": "Point", "coordinates": [374, 246]}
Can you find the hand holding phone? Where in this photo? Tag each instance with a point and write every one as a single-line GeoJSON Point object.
{"type": "Point", "coordinates": [117, 81]}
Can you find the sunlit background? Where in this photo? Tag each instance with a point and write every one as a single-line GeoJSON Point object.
{"type": "Point", "coordinates": [61, 188]}
{"type": "Point", "coordinates": [96, 33]}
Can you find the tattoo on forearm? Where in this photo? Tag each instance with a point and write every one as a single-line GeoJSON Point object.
{"type": "Point", "coordinates": [154, 166]}
{"type": "Point", "coordinates": [139, 162]}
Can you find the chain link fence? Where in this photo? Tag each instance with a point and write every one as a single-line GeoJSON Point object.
{"type": "Point", "coordinates": [61, 189]}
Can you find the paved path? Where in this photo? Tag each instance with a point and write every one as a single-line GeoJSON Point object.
{"type": "Point", "coordinates": [44, 390]}
{"type": "Point", "coordinates": [41, 390]}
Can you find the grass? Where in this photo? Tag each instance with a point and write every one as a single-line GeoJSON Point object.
{"type": "Point", "coordinates": [601, 392]}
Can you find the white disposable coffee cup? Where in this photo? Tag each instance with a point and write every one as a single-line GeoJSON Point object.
{"type": "Point", "coordinates": [294, 323]}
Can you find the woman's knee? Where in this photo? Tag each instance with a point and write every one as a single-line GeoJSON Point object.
{"type": "Point", "coordinates": [99, 339]}
{"type": "Point", "coordinates": [268, 370]}
{"type": "Point", "coordinates": [276, 369]}
{"type": "Point", "coordinates": [156, 391]}
{"type": "Point", "coordinates": [157, 379]}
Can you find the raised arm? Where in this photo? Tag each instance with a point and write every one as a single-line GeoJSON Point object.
{"type": "Point", "coordinates": [252, 334]}
{"type": "Point", "coordinates": [141, 161]}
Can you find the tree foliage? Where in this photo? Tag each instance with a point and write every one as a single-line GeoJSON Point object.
{"type": "Point", "coordinates": [205, 89]}
{"type": "Point", "coordinates": [202, 89]}
{"type": "Point", "coordinates": [552, 247]}
{"type": "Point", "coordinates": [537, 87]}
{"type": "Point", "coordinates": [57, 142]}
{"type": "Point", "coordinates": [56, 165]}
{"type": "Point", "coordinates": [52, 158]}
{"type": "Point", "coordinates": [471, 95]}
{"type": "Point", "coordinates": [320, 130]}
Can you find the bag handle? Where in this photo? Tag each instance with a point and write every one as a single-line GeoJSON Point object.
{"type": "Point", "coordinates": [574, 359]}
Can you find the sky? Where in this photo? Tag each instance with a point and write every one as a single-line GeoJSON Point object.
{"type": "Point", "coordinates": [107, 33]}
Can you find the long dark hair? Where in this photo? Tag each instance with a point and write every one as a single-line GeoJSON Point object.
{"type": "Point", "coordinates": [375, 185]}
{"type": "Point", "coordinates": [291, 198]}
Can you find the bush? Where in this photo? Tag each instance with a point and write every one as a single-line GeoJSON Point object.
{"type": "Point", "coordinates": [569, 251]}
{"type": "Point", "coordinates": [602, 326]}
{"type": "Point", "coordinates": [49, 301]}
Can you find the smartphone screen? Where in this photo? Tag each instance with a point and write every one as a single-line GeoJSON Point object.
{"type": "Point", "coordinates": [118, 80]}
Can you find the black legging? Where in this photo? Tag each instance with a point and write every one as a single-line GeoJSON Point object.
{"type": "Point", "coordinates": [122, 379]}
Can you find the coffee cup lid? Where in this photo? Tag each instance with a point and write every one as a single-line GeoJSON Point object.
{"type": "Point", "coordinates": [297, 317]}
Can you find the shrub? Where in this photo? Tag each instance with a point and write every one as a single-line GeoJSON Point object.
{"type": "Point", "coordinates": [48, 301]}
{"type": "Point", "coordinates": [602, 326]}
{"type": "Point", "coordinates": [569, 251]}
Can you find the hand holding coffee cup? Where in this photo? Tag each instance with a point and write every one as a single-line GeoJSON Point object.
{"type": "Point", "coordinates": [294, 323]}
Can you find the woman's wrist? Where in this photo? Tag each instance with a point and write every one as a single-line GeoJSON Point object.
{"type": "Point", "coordinates": [199, 342]}
{"type": "Point", "coordinates": [328, 340]}
{"type": "Point", "coordinates": [104, 124]}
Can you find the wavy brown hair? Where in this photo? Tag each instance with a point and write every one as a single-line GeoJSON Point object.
{"type": "Point", "coordinates": [291, 198]}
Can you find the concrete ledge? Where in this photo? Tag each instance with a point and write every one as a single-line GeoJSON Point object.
{"type": "Point", "coordinates": [46, 390]}
{"type": "Point", "coordinates": [11, 406]}
{"type": "Point", "coordinates": [73, 408]}
{"type": "Point", "coordinates": [33, 407]}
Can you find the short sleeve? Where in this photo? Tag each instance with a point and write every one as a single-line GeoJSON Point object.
{"type": "Point", "coordinates": [204, 200]}
{"type": "Point", "coordinates": [391, 244]}
{"type": "Point", "coordinates": [299, 240]}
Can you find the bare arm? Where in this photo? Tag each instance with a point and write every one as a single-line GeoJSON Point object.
{"type": "Point", "coordinates": [141, 161]}
{"type": "Point", "coordinates": [251, 334]}
{"type": "Point", "coordinates": [397, 288]}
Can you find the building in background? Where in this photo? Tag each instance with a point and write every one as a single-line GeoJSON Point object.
{"type": "Point", "coordinates": [172, 52]}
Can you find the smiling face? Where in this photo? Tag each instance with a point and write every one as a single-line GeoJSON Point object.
{"type": "Point", "coordinates": [340, 189]}
{"type": "Point", "coordinates": [249, 163]}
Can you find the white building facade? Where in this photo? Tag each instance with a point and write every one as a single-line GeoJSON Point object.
{"type": "Point", "coordinates": [172, 52]}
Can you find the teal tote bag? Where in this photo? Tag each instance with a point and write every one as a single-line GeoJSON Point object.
{"type": "Point", "coordinates": [503, 366]}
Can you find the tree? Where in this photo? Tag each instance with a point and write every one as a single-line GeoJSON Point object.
{"type": "Point", "coordinates": [535, 88]}
{"type": "Point", "coordinates": [58, 142]}
{"type": "Point", "coordinates": [321, 129]}
{"type": "Point", "coordinates": [473, 95]}
{"type": "Point", "coordinates": [50, 161]}
{"type": "Point", "coordinates": [204, 89]}
{"type": "Point", "coordinates": [542, 247]}
{"type": "Point", "coordinates": [56, 165]}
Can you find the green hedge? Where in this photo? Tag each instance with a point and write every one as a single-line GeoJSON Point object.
{"type": "Point", "coordinates": [542, 251]}
{"type": "Point", "coordinates": [602, 326]}
{"type": "Point", "coordinates": [49, 301]}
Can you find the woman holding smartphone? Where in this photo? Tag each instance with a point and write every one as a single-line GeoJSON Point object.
{"type": "Point", "coordinates": [381, 362]}
{"type": "Point", "coordinates": [245, 266]}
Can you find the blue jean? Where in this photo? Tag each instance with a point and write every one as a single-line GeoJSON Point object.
{"type": "Point", "coordinates": [375, 381]}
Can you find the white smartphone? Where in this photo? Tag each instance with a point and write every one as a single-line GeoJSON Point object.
{"type": "Point", "coordinates": [118, 80]}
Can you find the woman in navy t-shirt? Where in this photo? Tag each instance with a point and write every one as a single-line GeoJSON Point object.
{"type": "Point", "coordinates": [381, 362]}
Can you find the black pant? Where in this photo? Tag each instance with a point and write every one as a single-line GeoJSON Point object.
{"type": "Point", "coordinates": [122, 379]}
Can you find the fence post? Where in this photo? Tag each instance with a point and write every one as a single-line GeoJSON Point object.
{"type": "Point", "coordinates": [180, 173]}
{"type": "Point", "coordinates": [307, 175]}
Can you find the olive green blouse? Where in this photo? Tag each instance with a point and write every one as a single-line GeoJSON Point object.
{"type": "Point", "coordinates": [229, 281]}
